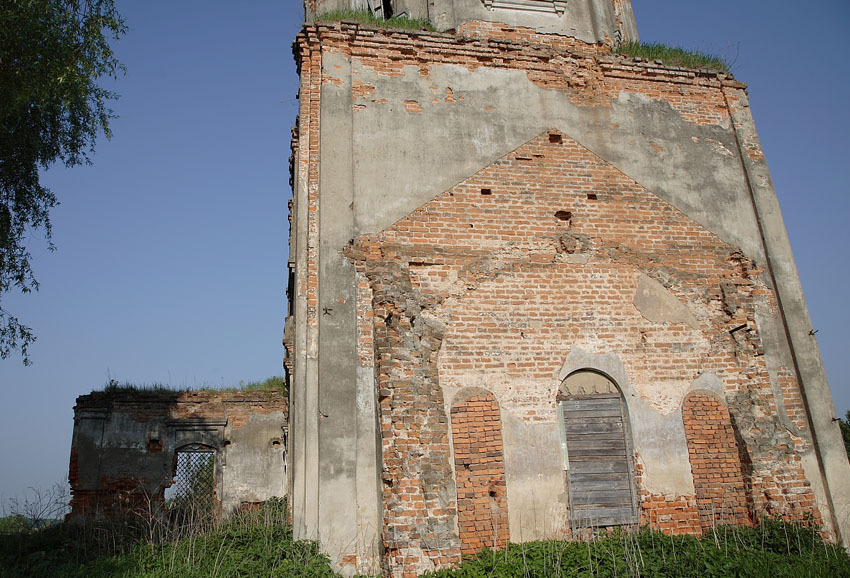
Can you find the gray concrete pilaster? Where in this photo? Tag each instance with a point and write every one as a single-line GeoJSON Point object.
{"type": "Point", "coordinates": [827, 439]}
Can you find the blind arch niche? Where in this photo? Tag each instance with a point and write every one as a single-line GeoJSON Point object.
{"type": "Point", "coordinates": [597, 451]}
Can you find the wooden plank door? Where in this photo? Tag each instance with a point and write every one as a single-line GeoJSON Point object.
{"type": "Point", "coordinates": [598, 461]}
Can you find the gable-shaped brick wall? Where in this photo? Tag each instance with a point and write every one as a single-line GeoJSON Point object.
{"type": "Point", "coordinates": [501, 275]}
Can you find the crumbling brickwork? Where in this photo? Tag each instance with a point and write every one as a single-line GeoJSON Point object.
{"type": "Point", "coordinates": [561, 253]}
{"type": "Point", "coordinates": [546, 247]}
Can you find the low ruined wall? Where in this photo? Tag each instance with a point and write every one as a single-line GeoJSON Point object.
{"type": "Point", "coordinates": [125, 446]}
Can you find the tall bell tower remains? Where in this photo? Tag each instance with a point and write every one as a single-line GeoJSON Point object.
{"type": "Point", "coordinates": [606, 21]}
{"type": "Point", "coordinates": [537, 287]}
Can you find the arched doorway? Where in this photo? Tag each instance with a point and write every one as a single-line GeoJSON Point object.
{"type": "Point", "coordinates": [597, 451]}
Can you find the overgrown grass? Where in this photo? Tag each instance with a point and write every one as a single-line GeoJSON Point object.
{"type": "Point", "coordinates": [274, 383]}
{"type": "Point", "coordinates": [775, 549]}
{"type": "Point", "coordinates": [673, 55]}
{"type": "Point", "coordinates": [366, 17]}
{"type": "Point", "coordinates": [114, 386]}
{"type": "Point", "coordinates": [254, 543]}
{"type": "Point", "coordinates": [260, 543]}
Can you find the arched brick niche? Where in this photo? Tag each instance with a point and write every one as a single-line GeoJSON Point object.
{"type": "Point", "coordinates": [482, 503]}
{"type": "Point", "coordinates": [715, 461]}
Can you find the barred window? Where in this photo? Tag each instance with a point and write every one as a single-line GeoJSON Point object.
{"type": "Point", "coordinates": [194, 481]}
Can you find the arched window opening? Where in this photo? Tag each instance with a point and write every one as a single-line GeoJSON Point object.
{"type": "Point", "coordinates": [597, 452]}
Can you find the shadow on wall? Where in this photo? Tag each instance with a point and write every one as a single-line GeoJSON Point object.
{"type": "Point", "coordinates": [185, 455]}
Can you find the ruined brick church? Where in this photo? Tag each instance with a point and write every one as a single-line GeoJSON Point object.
{"type": "Point", "coordinates": [537, 288]}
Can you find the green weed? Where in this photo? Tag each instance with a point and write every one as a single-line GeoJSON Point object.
{"type": "Point", "coordinates": [275, 383]}
{"type": "Point", "coordinates": [673, 55]}
{"type": "Point", "coordinates": [774, 549]}
{"type": "Point", "coordinates": [254, 543]}
{"type": "Point", "coordinates": [366, 17]}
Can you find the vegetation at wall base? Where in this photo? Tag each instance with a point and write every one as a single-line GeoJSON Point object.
{"type": "Point", "coordinates": [259, 543]}
{"type": "Point", "coordinates": [254, 543]}
{"type": "Point", "coordinates": [672, 55]}
{"type": "Point", "coordinates": [774, 549]}
{"type": "Point", "coordinates": [366, 17]}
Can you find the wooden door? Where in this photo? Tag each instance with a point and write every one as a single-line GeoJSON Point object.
{"type": "Point", "coordinates": [598, 460]}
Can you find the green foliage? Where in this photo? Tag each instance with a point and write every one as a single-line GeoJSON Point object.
{"type": "Point", "coordinates": [845, 431]}
{"type": "Point", "coordinates": [774, 549]}
{"type": "Point", "coordinates": [260, 543]}
{"type": "Point", "coordinates": [275, 383]}
{"type": "Point", "coordinates": [366, 17]}
{"type": "Point", "coordinates": [15, 524]}
{"type": "Point", "coordinates": [673, 55]}
{"type": "Point", "coordinates": [114, 386]}
{"type": "Point", "coordinates": [255, 543]}
{"type": "Point", "coordinates": [52, 55]}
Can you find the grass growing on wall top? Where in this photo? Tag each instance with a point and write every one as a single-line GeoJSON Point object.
{"type": "Point", "coordinates": [274, 383]}
{"type": "Point", "coordinates": [673, 55]}
{"type": "Point", "coordinates": [366, 17]}
{"type": "Point", "coordinates": [114, 386]}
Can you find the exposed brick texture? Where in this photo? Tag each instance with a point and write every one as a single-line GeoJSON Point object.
{"type": "Point", "coordinates": [491, 269]}
{"type": "Point", "coordinates": [418, 488]}
{"type": "Point", "coordinates": [482, 506]}
{"type": "Point", "coordinates": [715, 462]}
{"type": "Point", "coordinates": [494, 280]}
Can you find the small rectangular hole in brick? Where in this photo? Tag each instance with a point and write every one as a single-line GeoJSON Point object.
{"type": "Point", "coordinates": [591, 196]}
{"type": "Point", "coordinates": [486, 191]}
{"type": "Point", "coordinates": [555, 138]}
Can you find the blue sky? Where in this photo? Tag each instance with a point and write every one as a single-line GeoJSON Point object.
{"type": "Point", "coordinates": [172, 247]}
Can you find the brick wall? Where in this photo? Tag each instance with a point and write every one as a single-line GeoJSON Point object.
{"type": "Point", "coordinates": [419, 494]}
{"type": "Point", "coordinates": [495, 279]}
{"type": "Point", "coordinates": [543, 250]}
{"type": "Point", "coordinates": [122, 454]}
{"type": "Point", "coordinates": [482, 507]}
{"type": "Point", "coordinates": [715, 462]}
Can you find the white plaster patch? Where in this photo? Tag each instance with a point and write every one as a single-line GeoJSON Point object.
{"type": "Point", "coordinates": [657, 304]}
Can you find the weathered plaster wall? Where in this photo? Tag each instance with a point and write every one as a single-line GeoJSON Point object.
{"type": "Point", "coordinates": [551, 260]}
{"type": "Point", "coordinates": [606, 21]}
{"type": "Point", "coordinates": [122, 454]}
{"type": "Point", "coordinates": [496, 207]}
